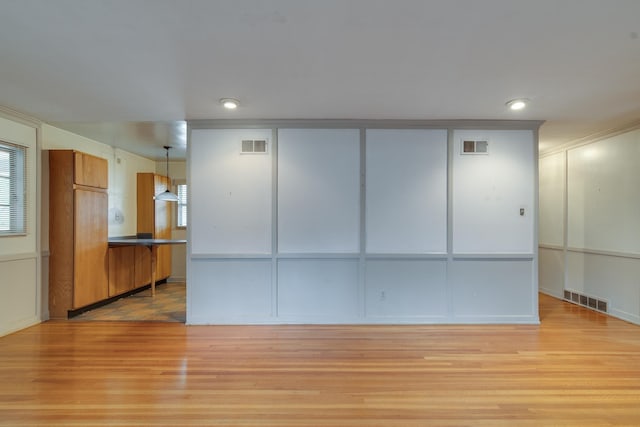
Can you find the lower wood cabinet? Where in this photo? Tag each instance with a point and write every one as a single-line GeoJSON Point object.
{"type": "Point", "coordinates": [121, 270]}
{"type": "Point", "coordinates": [142, 261]}
{"type": "Point", "coordinates": [129, 268]}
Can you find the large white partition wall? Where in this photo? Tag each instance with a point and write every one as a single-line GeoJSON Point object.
{"type": "Point", "coordinates": [598, 259]}
{"type": "Point", "coordinates": [406, 225]}
{"type": "Point", "coordinates": [406, 191]}
{"type": "Point", "coordinates": [230, 217]}
{"type": "Point", "coordinates": [362, 222]}
{"type": "Point", "coordinates": [318, 191]}
{"type": "Point", "coordinates": [493, 275]}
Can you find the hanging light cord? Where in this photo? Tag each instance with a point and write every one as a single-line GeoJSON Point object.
{"type": "Point", "coordinates": [166, 147]}
{"type": "Point", "coordinates": [167, 195]}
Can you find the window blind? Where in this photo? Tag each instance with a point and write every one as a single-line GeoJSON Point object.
{"type": "Point", "coordinates": [13, 185]}
{"type": "Point", "coordinates": [182, 205]}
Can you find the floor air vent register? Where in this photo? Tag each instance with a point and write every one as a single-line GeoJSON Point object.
{"type": "Point", "coordinates": [586, 301]}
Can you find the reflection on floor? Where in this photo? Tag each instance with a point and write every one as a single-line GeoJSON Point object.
{"type": "Point", "coordinates": [167, 306]}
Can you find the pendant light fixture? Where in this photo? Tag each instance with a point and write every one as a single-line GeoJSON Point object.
{"type": "Point", "coordinates": [167, 196]}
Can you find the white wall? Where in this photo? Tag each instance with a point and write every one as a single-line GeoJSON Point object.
{"type": "Point", "coordinates": [400, 165]}
{"type": "Point", "coordinates": [551, 266]}
{"type": "Point", "coordinates": [362, 225]}
{"type": "Point", "coordinates": [318, 190]}
{"type": "Point", "coordinates": [489, 191]}
{"type": "Point", "coordinates": [598, 255]}
{"type": "Point", "coordinates": [234, 192]}
{"type": "Point", "coordinates": [20, 289]}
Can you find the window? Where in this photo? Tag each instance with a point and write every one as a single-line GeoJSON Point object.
{"type": "Point", "coordinates": [12, 189]}
{"type": "Point", "coordinates": [181, 217]}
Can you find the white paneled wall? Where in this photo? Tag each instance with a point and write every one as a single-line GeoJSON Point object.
{"type": "Point", "coordinates": [552, 200]}
{"type": "Point", "coordinates": [361, 225]}
{"type": "Point", "coordinates": [413, 290]}
{"type": "Point", "coordinates": [598, 255]}
{"type": "Point", "coordinates": [603, 202]}
{"type": "Point", "coordinates": [320, 289]}
{"type": "Point", "coordinates": [232, 190]}
{"type": "Point", "coordinates": [406, 191]}
{"type": "Point", "coordinates": [552, 224]}
{"type": "Point", "coordinates": [489, 192]}
{"type": "Point", "coordinates": [318, 190]}
{"type": "Point", "coordinates": [551, 262]}
{"type": "Point", "coordinates": [493, 290]}
{"type": "Point", "coordinates": [229, 291]}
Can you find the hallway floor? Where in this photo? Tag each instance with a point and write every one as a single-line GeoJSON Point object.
{"type": "Point", "coordinates": [168, 306]}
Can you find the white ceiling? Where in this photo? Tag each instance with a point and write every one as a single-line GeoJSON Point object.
{"type": "Point", "coordinates": [129, 73]}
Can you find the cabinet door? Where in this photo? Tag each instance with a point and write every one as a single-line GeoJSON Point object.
{"type": "Point", "coordinates": [90, 170]}
{"type": "Point", "coordinates": [90, 247]}
{"type": "Point", "coordinates": [163, 262]}
{"type": "Point", "coordinates": [121, 269]}
{"type": "Point", "coordinates": [162, 225]}
{"type": "Point", "coordinates": [163, 229]}
{"type": "Point", "coordinates": [142, 269]}
{"type": "Point", "coordinates": [154, 216]}
{"type": "Point", "coordinates": [145, 203]}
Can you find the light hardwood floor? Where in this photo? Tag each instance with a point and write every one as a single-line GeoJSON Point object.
{"type": "Point", "coordinates": [577, 368]}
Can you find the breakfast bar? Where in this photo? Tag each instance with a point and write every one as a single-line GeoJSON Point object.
{"type": "Point", "coordinates": [152, 245]}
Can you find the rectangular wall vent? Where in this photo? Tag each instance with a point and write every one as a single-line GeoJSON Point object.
{"type": "Point", "coordinates": [254, 146]}
{"type": "Point", "coordinates": [586, 301]}
{"type": "Point", "coordinates": [474, 147]}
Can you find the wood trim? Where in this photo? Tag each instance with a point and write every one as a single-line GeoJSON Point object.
{"type": "Point", "coordinates": [61, 233]}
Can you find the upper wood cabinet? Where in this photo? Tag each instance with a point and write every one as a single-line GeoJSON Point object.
{"type": "Point", "coordinates": [154, 217]}
{"type": "Point", "coordinates": [90, 170]}
{"type": "Point", "coordinates": [78, 231]}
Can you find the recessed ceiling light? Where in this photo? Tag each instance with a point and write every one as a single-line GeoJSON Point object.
{"type": "Point", "coordinates": [229, 103]}
{"type": "Point", "coordinates": [517, 104]}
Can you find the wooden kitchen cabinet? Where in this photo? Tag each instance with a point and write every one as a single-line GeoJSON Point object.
{"type": "Point", "coordinates": [90, 170]}
{"type": "Point", "coordinates": [78, 231]}
{"type": "Point", "coordinates": [121, 269]}
{"type": "Point", "coordinates": [142, 270]}
{"type": "Point", "coordinates": [154, 219]}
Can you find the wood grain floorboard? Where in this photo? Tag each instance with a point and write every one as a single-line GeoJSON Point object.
{"type": "Point", "coordinates": [578, 368]}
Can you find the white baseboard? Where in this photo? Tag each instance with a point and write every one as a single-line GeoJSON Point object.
{"type": "Point", "coordinates": [19, 325]}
